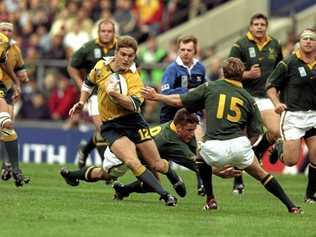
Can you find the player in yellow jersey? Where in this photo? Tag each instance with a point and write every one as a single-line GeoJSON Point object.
{"type": "Point", "coordinates": [123, 127]}
{"type": "Point", "coordinates": [12, 72]}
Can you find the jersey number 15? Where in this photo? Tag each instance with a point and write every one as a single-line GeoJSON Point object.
{"type": "Point", "coordinates": [234, 113]}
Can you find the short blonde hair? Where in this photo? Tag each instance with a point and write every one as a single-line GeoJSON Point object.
{"type": "Point", "coordinates": [233, 68]}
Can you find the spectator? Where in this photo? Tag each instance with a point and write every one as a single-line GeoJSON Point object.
{"type": "Point", "coordinates": [62, 98]}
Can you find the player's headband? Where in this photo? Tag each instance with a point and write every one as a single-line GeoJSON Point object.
{"type": "Point", "coordinates": [6, 25]}
{"type": "Point", "coordinates": [308, 35]}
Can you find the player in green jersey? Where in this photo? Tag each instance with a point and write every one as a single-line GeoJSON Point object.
{"type": "Point", "coordinates": [260, 53]}
{"type": "Point", "coordinates": [233, 124]}
{"type": "Point", "coordinates": [295, 79]}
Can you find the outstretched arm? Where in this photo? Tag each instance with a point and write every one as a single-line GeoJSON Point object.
{"type": "Point", "coordinates": [150, 94]}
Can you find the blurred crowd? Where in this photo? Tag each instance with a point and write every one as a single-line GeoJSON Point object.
{"type": "Point", "coordinates": [51, 30]}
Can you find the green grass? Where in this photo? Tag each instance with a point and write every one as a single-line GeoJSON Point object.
{"type": "Point", "coordinates": [49, 207]}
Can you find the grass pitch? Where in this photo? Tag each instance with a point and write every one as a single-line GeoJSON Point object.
{"type": "Point", "coordinates": [49, 207]}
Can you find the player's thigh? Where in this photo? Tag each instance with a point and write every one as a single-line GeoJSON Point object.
{"type": "Point", "coordinates": [150, 154]}
{"type": "Point", "coordinates": [255, 170]}
{"type": "Point", "coordinates": [311, 145]}
{"type": "Point", "coordinates": [125, 150]}
{"type": "Point", "coordinates": [271, 121]}
{"type": "Point", "coordinates": [291, 151]}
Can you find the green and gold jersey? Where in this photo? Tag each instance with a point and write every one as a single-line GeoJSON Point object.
{"type": "Point", "coordinates": [230, 109]}
{"type": "Point", "coordinates": [15, 61]}
{"type": "Point", "coordinates": [267, 55]}
{"type": "Point", "coordinates": [170, 146]}
{"type": "Point", "coordinates": [296, 80]}
{"type": "Point", "coordinates": [4, 45]}
{"type": "Point", "coordinates": [99, 76]}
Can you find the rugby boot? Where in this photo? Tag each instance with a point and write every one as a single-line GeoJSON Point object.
{"type": "Point", "coordinates": [211, 204]}
{"type": "Point", "coordinates": [296, 210]}
{"type": "Point", "coordinates": [64, 172]}
{"type": "Point", "coordinates": [120, 191]}
{"type": "Point", "coordinates": [180, 188]}
{"type": "Point", "coordinates": [6, 172]}
{"type": "Point", "coordinates": [19, 178]}
{"type": "Point", "coordinates": [169, 200]}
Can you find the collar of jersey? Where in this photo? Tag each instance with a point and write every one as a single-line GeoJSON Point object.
{"type": "Point", "coordinates": [179, 62]}
{"type": "Point", "coordinates": [259, 45]}
{"type": "Point", "coordinates": [108, 60]}
{"type": "Point", "coordinates": [234, 83]}
{"type": "Point", "coordinates": [173, 127]}
{"type": "Point", "coordinates": [299, 56]}
{"type": "Point", "coordinates": [107, 46]}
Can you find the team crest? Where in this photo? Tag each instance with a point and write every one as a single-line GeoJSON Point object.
{"type": "Point", "coordinates": [252, 52]}
{"type": "Point", "coordinates": [97, 53]}
{"type": "Point", "coordinates": [302, 71]}
{"type": "Point", "coordinates": [272, 54]}
{"type": "Point", "coordinates": [2, 94]}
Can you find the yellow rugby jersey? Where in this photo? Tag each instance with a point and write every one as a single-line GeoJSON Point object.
{"type": "Point", "coordinates": [4, 45]}
{"type": "Point", "coordinates": [15, 60]}
{"type": "Point", "coordinates": [99, 76]}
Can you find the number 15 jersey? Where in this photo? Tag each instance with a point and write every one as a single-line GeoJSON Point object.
{"type": "Point", "coordinates": [231, 111]}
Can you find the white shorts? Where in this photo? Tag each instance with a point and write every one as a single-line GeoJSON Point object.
{"type": "Point", "coordinates": [264, 104]}
{"type": "Point", "coordinates": [113, 165]}
{"type": "Point", "coordinates": [92, 105]}
{"type": "Point", "coordinates": [235, 152]}
{"type": "Point", "coordinates": [294, 124]}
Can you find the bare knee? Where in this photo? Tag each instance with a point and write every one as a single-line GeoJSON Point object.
{"type": "Point", "coordinates": [289, 162]}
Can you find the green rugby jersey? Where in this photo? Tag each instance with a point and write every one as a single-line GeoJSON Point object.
{"type": "Point", "coordinates": [169, 145]}
{"type": "Point", "coordinates": [267, 55]}
{"type": "Point", "coordinates": [296, 81]}
{"type": "Point", "coordinates": [230, 109]}
{"type": "Point", "coordinates": [89, 54]}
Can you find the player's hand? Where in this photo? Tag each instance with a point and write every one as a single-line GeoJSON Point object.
{"type": "Point", "coordinates": [254, 72]}
{"type": "Point", "coordinates": [229, 173]}
{"type": "Point", "coordinates": [16, 92]}
{"type": "Point", "coordinates": [149, 93]}
{"type": "Point", "coordinates": [77, 108]}
{"type": "Point", "coordinates": [111, 86]}
{"type": "Point", "coordinates": [279, 108]}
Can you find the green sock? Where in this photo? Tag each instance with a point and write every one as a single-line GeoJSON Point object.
{"type": "Point", "coordinates": [148, 178]}
{"type": "Point", "coordinates": [88, 147]}
{"type": "Point", "coordinates": [137, 187]}
{"type": "Point", "coordinates": [172, 175]}
{"type": "Point", "coordinates": [206, 176]}
{"type": "Point", "coordinates": [311, 183]}
{"type": "Point", "coordinates": [272, 185]}
{"type": "Point", "coordinates": [262, 146]}
{"type": "Point", "coordinates": [238, 180]}
{"type": "Point", "coordinates": [13, 153]}
{"type": "Point", "coordinates": [81, 173]}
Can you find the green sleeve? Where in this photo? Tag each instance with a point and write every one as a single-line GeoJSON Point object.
{"type": "Point", "coordinates": [194, 100]}
{"type": "Point", "coordinates": [235, 51]}
{"type": "Point", "coordinates": [276, 78]}
{"type": "Point", "coordinates": [78, 58]}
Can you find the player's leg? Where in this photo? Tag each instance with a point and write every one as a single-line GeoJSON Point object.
{"type": "Point", "coordinates": [6, 169]}
{"type": "Point", "coordinates": [10, 139]}
{"type": "Point", "coordinates": [150, 154]}
{"type": "Point", "coordinates": [272, 185]}
{"type": "Point", "coordinates": [87, 174]}
{"type": "Point", "coordinates": [206, 175]}
{"type": "Point", "coordinates": [96, 140]}
{"type": "Point", "coordinates": [310, 195]}
{"type": "Point", "coordinates": [125, 150]}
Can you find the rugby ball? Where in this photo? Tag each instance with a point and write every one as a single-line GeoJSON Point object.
{"type": "Point", "coordinates": [119, 82]}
